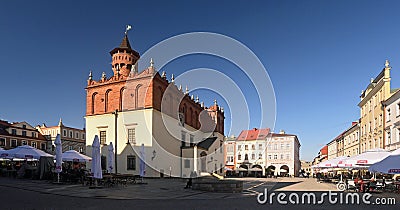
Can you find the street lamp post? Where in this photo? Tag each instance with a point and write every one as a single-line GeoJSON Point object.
{"type": "Point", "coordinates": [116, 145]}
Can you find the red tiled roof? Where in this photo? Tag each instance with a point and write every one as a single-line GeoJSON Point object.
{"type": "Point", "coordinates": [281, 134]}
{"type": "Point", "coordinates": [324, 150]}
{"type": "Point", "coordinates": [253, 134]}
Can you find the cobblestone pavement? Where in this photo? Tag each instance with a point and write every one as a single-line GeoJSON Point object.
{"type": "Point", "coordinates": [162, 194]}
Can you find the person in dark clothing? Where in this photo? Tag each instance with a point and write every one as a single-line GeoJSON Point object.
{"type": "Point", "coordinates": [189, 183]}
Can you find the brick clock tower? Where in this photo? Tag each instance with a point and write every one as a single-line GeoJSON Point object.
{"type": "Point", "coordinates": [132, 108]}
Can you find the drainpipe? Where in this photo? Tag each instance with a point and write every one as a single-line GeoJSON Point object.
{"type": "Point", "coordinates": [116, 142]}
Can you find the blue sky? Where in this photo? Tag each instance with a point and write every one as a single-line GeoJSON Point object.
{"type": "Point", "coordinates": [319, 54]}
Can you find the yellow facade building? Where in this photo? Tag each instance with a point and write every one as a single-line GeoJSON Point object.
{"type": "Point", "coordinates": [351, 141]}
{"type": "Point", "coordinates": [372, 110]}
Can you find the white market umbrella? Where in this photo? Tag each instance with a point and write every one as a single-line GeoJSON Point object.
{"type": "Point", "coordinates": [364, 159]}
{"type": "Point", "coordinates": [142, 165]}
{"type": "Point", "coordinates": [255, 169]}
{"type": "Point", "coordinates": [24, 152]}
{"type": "Point", "coordinates": [96, 159]}
{"type": "Point", "coordinates": [57, 142]}
{"type": "Point", "coordinates": [72, 155]}
{"type": "Point", "coordinates": [110, 158]}
{"type": "Point", "coordinates": [389, 165]}
{"type": "Point", "coordinates": [332, 163]}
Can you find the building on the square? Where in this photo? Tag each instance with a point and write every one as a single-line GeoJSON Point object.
{"type": "Point", "coordinates": [71, 138]}
{"type": "Point", "coordinates": [392, 122]}
{"type": "Point", "coordinates": [351, 141]}
{"type": "Point", "coordinates": [372, 122]}
{"type": "Point", "coordinates": [332, 149]}
{"type": "Point", "coordinates": [283, 154]}
{"type": "Point", "coordinates": [251, 150]}
{"type": "Point", "coordinates": [306, 167]}
{"type": "Point", "coordinates": [20, 133]}
{"type": "Point", "coordinates": [322, 155]}
{"type": "Point", "coordinates": [230, 151]}
{"type": "Point", "coordinates": [180, 136]}
{"type": "Point", "coordinates": [340, 145]}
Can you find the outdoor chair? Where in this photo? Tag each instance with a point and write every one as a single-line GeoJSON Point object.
{"type": "Point", "coordinates": [351, 186]}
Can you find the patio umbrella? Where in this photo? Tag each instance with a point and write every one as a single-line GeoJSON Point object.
{"type": "Point", "coordinates": [57, 142]}
{"type": "Point", "coordinates": [110, 157]}
{"type": "Point", "coordinates": [364, 159]}
{"type": "Point", "coordinates": [142, 165]}
{"type": "Point", "coordinates": [72, 155]}
{"type": "Point", "coordinates": [96, 159]}
{"type": "Point", "coordinates": [389, 165]}
{"type": "Point", "coordinates": [24, 152]}
{"type": "Point", "coordinates": [332, 163]}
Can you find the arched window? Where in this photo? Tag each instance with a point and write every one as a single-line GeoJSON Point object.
{"type": "Point", "coordinates": [190, 119]}
{"type": "Point", "coordinates": [160, 91]}
{"type": "Point", "coordinates": [93, 102]}
{"type": "Point", "coordinates": [121, 96]}
{"type": "Point", "coordinates": [137, 95]}
{"type": "Point", "coordinates": [196, 120]}
{"type": "Point", "coordinates": [106, 106]}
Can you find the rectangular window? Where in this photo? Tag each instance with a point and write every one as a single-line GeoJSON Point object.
{"type": "Point", "coordinates": [275, 157]}
{"type": "Point", "coordinates": [33, 144]}
{"type": "Point", "coordinates": [398, 110]}
{"type": "Point", "coordinates": [183, 138]}
{"type": "Point", "coordinates": [23, 126]}
{"type": "Point", "coordinates": [23, 133]}
{"type": "Point", "coordinates": [131, 162]}
{"type": "Point", "coordinates": [71, 134]}
{"type": "Point", "coordinates": [2, 142]}
{"type": "Point", "coordinates": [287, 156]}
{"type": "Point", "coordinates": [33, 135]}
{"type": "Point", "coordinates": [246, 147]}
{"type": "Point", "coordinates": [239, 157]}
{"type": "Point", "coordinates": [287, 146]}
{"type": "Point", "coordinates": [270, 157]}
{"type": "Point", "coordinates": [369, 126]}
{"type": "Point", "coordinates": [43, 146]}
{"type": "Point", "coordinates": [229, 148]}
{"type": "Point", "coordinates": [239, 147]}
{"type": "Point", "coordinates": [70, 148]}
{"type": "Point", "coordinates": [103, 137]}
{"type": "Point", "coordinates": [191, 140]}
{"type": "Point", "coordinates": [83, 136]}
{"type": "Point", "coordinates": [23, 142]}
{"type": "Point", "coordinates": [259, 146]}
{"type": "Point", "coordinates": [260, 156]}
{"type": "Point", "coordinates": [13, 143]}
{"type": "Point", "coordinates": [253, 147]}
{"type": "Point", "coordinates": [282, 146]}
{"type": "Point", "coordinates": [186, 163]}
{"type": "Point", "coordinates": [230, 159]}
{"type": "Point", "coordinates": [253, 156]}
{"type": "Point", "coordinates": [132, 136]}
{"type": "Point", "coordinates": [275, 146]}
{"type": "Point", "coordinates": [65, 133]}
{"type": "Point", "coordinates": [77, 135]}
{"type": "Point", "coordinates": [282, 156]}
{"type": "Point", "coordinates": [388, 115]}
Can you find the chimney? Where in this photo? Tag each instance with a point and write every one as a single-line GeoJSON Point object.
{"type": "Point", "coordinates": [282, 132]}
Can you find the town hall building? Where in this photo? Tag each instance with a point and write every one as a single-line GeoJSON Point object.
{"type": "Point", "coordinates": [143, 109]}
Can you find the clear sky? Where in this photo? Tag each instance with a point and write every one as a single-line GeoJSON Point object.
{"type": "Point", "coordinates": [319, 54]}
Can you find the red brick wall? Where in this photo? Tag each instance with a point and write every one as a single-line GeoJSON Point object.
{"type": "Point", "coordinates": [142, 90]}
